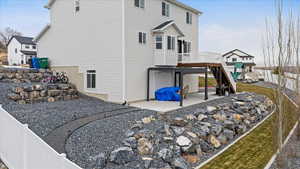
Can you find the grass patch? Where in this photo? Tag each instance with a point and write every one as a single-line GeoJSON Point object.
{"type": "Point", "coordinates": [211, 82]}
{"type": "Point", "coordinates": [256, 149]}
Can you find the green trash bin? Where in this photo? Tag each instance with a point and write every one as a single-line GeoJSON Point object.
{"type": "Point", "coordinates": [44, 64]}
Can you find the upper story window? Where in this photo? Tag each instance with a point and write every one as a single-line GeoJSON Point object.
{"type": "Point", "coordinates": [16, 50]}
{"type": "Point", "coordinates": [187, 47]}
{"type": "Point", "coordinates": [77, 5]}
{"type": "Point", "coordinates": [171, 43]}
{"type": "Point", "coordinates": [159, 42]}
{"type": "Point", "coordinates": [234, 59]}
{"type": "Point", "coordinates": [189, 18]}
{"type": "Point", "coordinates": [33, 46]}
{"type": "Point", "coordinates": [27, 46]}
{"type": "Point", "coordinates": [165, 9]}
{"type": "Point", "coordinates": [142, 38]}
{"type": "Point", "coordinates": [139, 3]}
{"type": "Point", "coordinates": [91, 79]}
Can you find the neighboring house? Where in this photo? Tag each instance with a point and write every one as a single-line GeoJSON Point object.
{"type": "Point", "coordinates": [20, 49]}
{"type": "Point", "coordinates": [237, 57]}
{"type": "Point", "coordinates": [106, 46]}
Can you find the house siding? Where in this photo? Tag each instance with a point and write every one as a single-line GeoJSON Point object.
{"type": "Point", "coordinates": [89, 39]}
{"type": "Point", "coordinates": [13, 57]}
{"type": "Point", "coordinates": [140, 57]}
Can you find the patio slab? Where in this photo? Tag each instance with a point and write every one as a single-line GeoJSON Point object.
{"type": "Point", "coordinates": [165, 106]}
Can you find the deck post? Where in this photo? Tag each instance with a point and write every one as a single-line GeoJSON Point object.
{"type": "Point", "coordinates": [206, 84]}
{"type": "Point", "coordinates": [221, 82]}
{"type": "Point", "coordinates": [175, 79]}
{"type": "Point", "coordinates": [148, 84]}
{"type": "Point", "coordinates": [181, 87]}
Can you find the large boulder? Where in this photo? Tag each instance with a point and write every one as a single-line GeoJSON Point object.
{"type": "Point", "coordinates": [122, 156]}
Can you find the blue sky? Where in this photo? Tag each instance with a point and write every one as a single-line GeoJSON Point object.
{"type": "Point", "coordinates": [224, 25]}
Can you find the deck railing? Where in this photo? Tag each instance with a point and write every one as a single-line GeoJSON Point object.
{"type": "Point", "coordinates": [20, 148]}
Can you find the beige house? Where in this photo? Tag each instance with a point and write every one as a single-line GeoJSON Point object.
{"type": "Point", "coordinates": [106, 46]}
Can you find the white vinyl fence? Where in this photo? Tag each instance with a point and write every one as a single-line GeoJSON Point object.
{"type": "Point", "coordinates": [20, 148]}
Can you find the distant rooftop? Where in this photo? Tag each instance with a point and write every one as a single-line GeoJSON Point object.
{"type": "Point", "coordinates": [23, 40]}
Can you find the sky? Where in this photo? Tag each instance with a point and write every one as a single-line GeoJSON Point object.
{"type": "Point", "coordinates": [224, 25]}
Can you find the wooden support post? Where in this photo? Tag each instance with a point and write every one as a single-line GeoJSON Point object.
{"type": "Point", "coordinates": [175, 80]}
{"type": "Point", "coordinates": [221, 82]}
{"type": "Point", "coordinates": [181, 88]}
{"type": "Point", "coordinates": [148, 85]}
{"type": "Point", "coordinates": [206, 84]}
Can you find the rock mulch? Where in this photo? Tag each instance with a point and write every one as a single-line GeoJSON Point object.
{"type": "Point", "coordinates": [34, 93]}
{"type": "Point", "coordinates": [23, 75]}
{"type": "Point", "coordinates": [179, 139]}
{"type": "Point", "coordinates": [44, 117]}
{"type": "Point", "coordinates": [28, 88]}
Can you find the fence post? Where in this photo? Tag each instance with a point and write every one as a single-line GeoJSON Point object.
{"type": "Point", "coordinates": [25, 127]}
{"type": "Point", "coordinates": [63, 157]}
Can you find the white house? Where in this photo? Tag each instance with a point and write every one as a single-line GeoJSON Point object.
{"type": "Point", "coordinates": [106, 46]}
{"type": "Point", "coordinates": [237, 56]}
{"type": "Point", "coordinates": [20, 49]}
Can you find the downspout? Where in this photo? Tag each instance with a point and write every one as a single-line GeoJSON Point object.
{"type": "Point", "coordinates": [123, 54]}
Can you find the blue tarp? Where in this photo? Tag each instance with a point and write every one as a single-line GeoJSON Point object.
{"type": "Point", "coordinates": [168, 94]}
{"type": "Point", "coordinates": [35, 63]}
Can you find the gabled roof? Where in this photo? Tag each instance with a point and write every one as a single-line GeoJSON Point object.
{"type": "Point", "coordinates": [238, 53]}
{"type": "Point", "coordinates": [33, 53]}
{"type": "Point", "coordinates": [162, 27]}
{"type": "Point", "coordinates": [175, 2]}
{"type": "Point", "coordinates": [23, 40]}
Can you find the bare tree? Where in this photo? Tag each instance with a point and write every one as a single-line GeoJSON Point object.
{"type": "Point", "coordinates": [281, 48]}
{"type": "Point", "coordinates": [7, 34]}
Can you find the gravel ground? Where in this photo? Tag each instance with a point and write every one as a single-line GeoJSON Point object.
{"type": "Point", "coordinates": [100, 136]}
{"type": "Point", "coordinates": [43, 118]}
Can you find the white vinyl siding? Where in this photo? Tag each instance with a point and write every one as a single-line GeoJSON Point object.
{"type": "Point", "coordinates": [139, 3]}
{"type": "Point", "coordinates": [165, 9]}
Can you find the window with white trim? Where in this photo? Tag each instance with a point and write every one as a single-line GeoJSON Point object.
{"type": "Point", "coordinates": [171, 42]}
{"type": "Point", "coordinates": [77, 5]}
{"type": "Point", "coordinates": [139, 3]}
{"type": "Point", "coordinates": [33, 46]}
{"type": "Point", "coordinates": [165, 9]}
{"type": "Point", "coordinates": [187, 47]}
{"type": "Point", "coordinates": [159, 42]}
{"type": "Point", "coordinates": [189, 18]}
{"type": "Point", "coordinates": [142, 38]}
{"type": "Point", "coordinates": [27, 46]}
{"type": "Point", "coordinates": [91, 79]}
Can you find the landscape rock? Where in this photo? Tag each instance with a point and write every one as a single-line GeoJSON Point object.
{"type": "Point", "coordinates": [130, 142]}
{"type": "Point", "coordinates": [178, 121]}
{"type": "Point", "coordinates": [180, 163]}
{"type": "Point", "coordinates": [214, 141]}
{"type": "Point", "coordinates": [98, 161]}
{"type": "Point", "coordinates": [202, 117]}
{"type": "Point", "coordinates": [183, 141]}
{"type": "Point", "coordinates": [166, 155]}
{"type": "Point", "coordinates": [145, 147]}
{"type": "Point", "coordinates": [122, 156]}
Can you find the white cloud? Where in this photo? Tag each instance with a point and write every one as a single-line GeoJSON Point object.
{"type": "Point", "coordinates": [221, 39]}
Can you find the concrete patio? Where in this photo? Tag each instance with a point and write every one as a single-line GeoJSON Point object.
{"type": "Point", "coordinates": [165, 106]}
